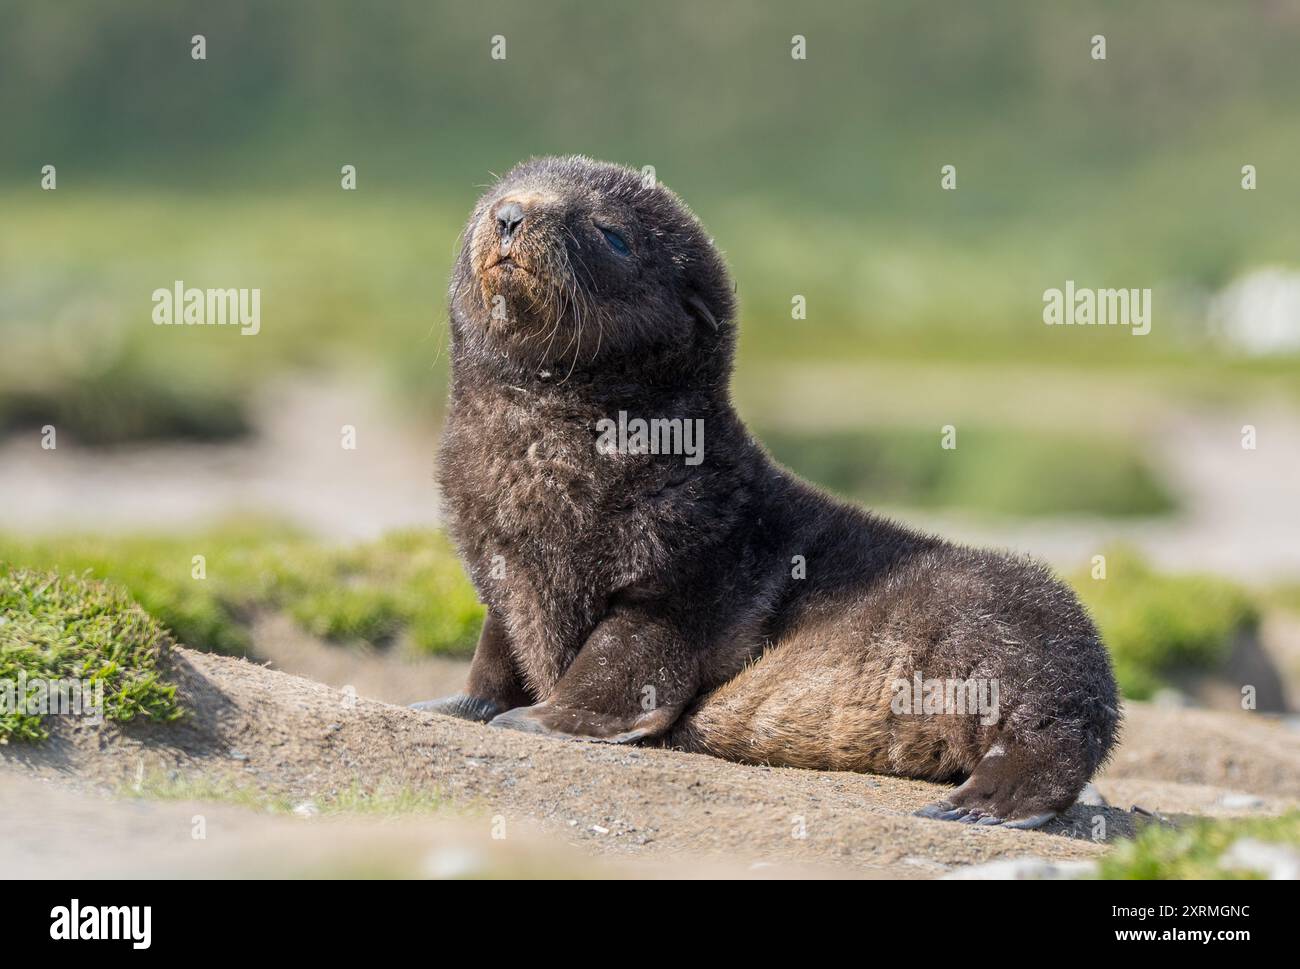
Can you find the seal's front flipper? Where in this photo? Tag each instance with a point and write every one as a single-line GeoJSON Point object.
{"type": "Point", "coordinates": [630, 681]}
{"type": "Point", "coordinates": [462, 706]}
{"type": "Point", "coordinates": [570, 724]}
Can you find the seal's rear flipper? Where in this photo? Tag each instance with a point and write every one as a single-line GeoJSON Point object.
{"type": "Point", "coordinates": [947, 811]}
{"type": "Point", "coordinates": [1007, 787]}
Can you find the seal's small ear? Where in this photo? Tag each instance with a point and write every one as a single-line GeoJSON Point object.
{"type": "Point", "coordinates": [700, 310]}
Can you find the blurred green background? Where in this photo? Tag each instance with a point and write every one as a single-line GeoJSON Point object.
{"type": "Point", "coordinates": [817, 177]}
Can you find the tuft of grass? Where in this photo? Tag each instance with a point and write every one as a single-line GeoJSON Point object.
{"type": "Point", "coordinates": [1196, 851]}
{"type": "Point", "coordinates": [383, 801]}
{"type": "Point", "coordinates": [406, 585]}
{"type": "Point", "coordinates": [1156, 624]}
{"type": "Point", "coordinates": [157, 571]}
{"type": "Point", "coordinates": [991, 471]}
{"type": "Point", "coordinates": [65, 628]}
{"type": "Point", "coordinates": [159, 786]}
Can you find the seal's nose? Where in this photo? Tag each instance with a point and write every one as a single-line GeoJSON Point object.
{"type": "Point", "coordinates": [509, 215]}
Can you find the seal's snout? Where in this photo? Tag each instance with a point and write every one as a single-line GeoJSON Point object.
{"type": "Point", "coordinates": [509, 216]}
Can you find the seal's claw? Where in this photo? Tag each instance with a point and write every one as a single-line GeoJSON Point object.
{"type": "Point", "coordinates": [461, 706]}
{"type": "Point", "coordinates": [938, 811]}
{"type": "Point", "coordinates": [1031, 822]}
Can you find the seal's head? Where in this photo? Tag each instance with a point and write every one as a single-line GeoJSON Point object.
{"type": "Point", "coordinates": [570, 263]}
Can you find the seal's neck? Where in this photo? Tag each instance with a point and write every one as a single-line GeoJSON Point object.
{"type": "Point", "coordinates": [665, 377]}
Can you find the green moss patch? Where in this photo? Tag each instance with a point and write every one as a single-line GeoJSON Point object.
{"type": "Point", "coordinates": [62, 629]}
{"type": "Point", "coordinates": [1198, 850]}
{"type": "Point", "coordinates": [407, 585]}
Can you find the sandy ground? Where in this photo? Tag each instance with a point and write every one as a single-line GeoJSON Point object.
{"type": "Point", "coordinates": [56, 830]}
{"type": "Point", "coordinates": [635, 811]}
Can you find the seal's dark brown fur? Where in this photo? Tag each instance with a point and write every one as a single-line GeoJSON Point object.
{"type": "Point", "coordinates": [722, 606]}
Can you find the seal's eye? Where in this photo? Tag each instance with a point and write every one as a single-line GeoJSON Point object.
{"type": "Point", "coordinates": [616, 241]}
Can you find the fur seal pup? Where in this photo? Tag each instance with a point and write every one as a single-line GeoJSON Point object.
{"type": "Point", "coordinates": [708, 599]}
